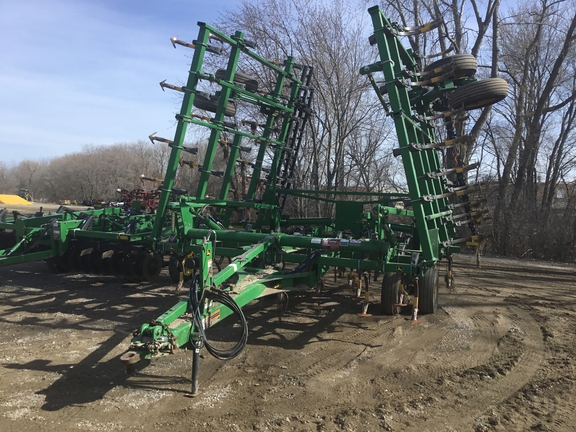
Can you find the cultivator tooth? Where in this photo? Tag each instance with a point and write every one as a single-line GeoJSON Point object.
{"type": "Point", "coordinates": [464, 189]}
{"type": "Point", "coordinates": [444, 114]}
{"type": "Point", "coordinates": [175, 41]}
{"type": "Point", "coordinates": [152, 137]}
{"type": "Point", "coordinates": [450, 191]}
{"type": "Point", "coordinates": [225, 143]}
{"type": "Point", "coordinates": [446, 172]}
{"type": "Point", "coordinates": [191, 150]}
{"type": "Point", "coordinates": [165, 85]}
{"type": "Point", "coordinates": [439, 54]}
{"type": "Point", "coordinates": [179, 191]}
{"type": "Point", "coordinates": [214, 36]}
{"type": "Point", "coordinates": [191, 164]}
{"type": "Point", "coordinates": [243, 43]}
{"type": "Point", "coordinates": [475, 203]}
{"type": "Point", "coordinates": [215, 173]}
{"type": "Point", "coordinates": [245, 163]}
{"type": "Point", "coordinates": [225, 123]}
{"type": "Point", "coordinates": [210, 48]}
{"type": "Point", "coordinates": [395, 29]}
{"type": "Point", "coordinates": [253, 125]}
{"type": "Point", "coordinates": [472, 215]}
{"type": "Point", "coordinates": [152, 179]}
{"type": "Point", "coordinates": [441, 145]}
{"type": "Point", "coordinates": [416, 30]}
{"type": "Point", "coordinates": [472, 240]}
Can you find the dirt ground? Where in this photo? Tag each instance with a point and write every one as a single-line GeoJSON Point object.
{"type": "Point", "coordinates": [499, 355]}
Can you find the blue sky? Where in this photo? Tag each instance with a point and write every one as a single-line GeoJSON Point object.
{"type": "Point", "coordinates": [80, 72]}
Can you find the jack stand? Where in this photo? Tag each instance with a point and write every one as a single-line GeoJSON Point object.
{"type": "Point", "coordinates": [195, 368]}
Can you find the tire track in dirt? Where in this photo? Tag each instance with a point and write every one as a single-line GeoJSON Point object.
{"type": "Point", "coordinates": [546, 401]}
{"type": "Point", "coordinates": [485, 384]}
{"type": "Point", "coordinates": [336, 352]}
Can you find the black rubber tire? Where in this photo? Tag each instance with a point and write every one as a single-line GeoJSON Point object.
{"type": "Point", "coordinates": [73, 258]}
{"type": "Point", "coordinates": [174, 268]}
{"type": "Point", "coordinates": [390, 293]}
{"type": "Point", "coordinates": [152, 266]}
{"type": "Point", "coordinates": [64, 261]}
{"type": "Point", "coordinates": [135, 272]}
{"type": "Point", "coordinates": [250, 84]}
{"type": "Point", "coordinates": [7, 239]}
{"type": "Point", "coordinates": [479, 94]}
{"type": "Point", "coordinates": [54, 265]}
{"type": "Point", "coordinates": [429, 284]}
{"type": "Point", "coordinates": [107, 266]}
{"type": "Point", "coordinates": [211, 104]}
{"type": "Point", "coordinates": [86, 261]}
{"type": "Point", "coordinates": [456, 66]}
{"type": "Point", "coordinates": [117, 263]}
{"type": "Point", "coordinates": [96, 261]}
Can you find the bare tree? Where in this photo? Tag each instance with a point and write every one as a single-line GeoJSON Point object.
{"type": "Point", "coordinates": [344, 142]}
{"type": "Point", "coordinates": [537, 45]}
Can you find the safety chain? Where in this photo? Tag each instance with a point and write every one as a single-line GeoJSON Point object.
{"type": "Point", "coordinates": [173, 346]}
{"type": "Point", "coordinates": [151, 345]}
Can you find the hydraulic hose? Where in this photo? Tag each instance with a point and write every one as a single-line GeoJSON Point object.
{"type": "Point", "coordinates": [224, 299]}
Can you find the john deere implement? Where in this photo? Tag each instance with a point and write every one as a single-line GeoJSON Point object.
{"type": "Point", "coordinates": [230, 241]}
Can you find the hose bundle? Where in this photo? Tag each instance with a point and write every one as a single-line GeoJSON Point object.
{"type": "Point", "coordinates": [224, 299]}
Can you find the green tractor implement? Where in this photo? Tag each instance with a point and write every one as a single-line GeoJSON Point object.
{"type": "Point", "coordinates": [231, 242]}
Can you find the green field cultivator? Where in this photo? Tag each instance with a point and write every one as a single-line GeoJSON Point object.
{"type": "Point", "coordinates": [230, 242]}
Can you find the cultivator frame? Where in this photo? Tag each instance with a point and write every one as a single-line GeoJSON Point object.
{"type": "Point", "coordinates": [272, 253]}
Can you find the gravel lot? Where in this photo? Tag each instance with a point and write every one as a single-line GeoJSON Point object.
{"type": "Point", "coordinates": [498, 355]}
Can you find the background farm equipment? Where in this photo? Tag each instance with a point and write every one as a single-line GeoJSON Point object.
{"type": "Point", "coordinates": [25, 194]}
{"type": "Point", "coordinates": [231, 242]}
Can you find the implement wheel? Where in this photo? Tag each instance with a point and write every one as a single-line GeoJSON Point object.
{"type": "Point", "coordinates": [251, 84]}
{"type": "Point", "coordinates": [479, 94]}
{"type": "Point", "coordinates": [456, 66]}
{"type": "Point", "coordinates": [391, 293]}
{"type": "Point", "coordinates": [428, 301]}
{"type": "Point", "coordinates": [211, 104]}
